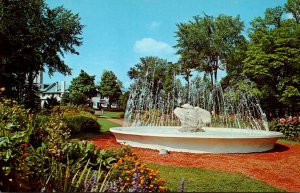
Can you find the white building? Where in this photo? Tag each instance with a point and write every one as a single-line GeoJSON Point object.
{"type": "Point", "coordinates": [57, 89]}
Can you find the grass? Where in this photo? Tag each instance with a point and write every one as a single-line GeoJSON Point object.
{"type": "Point", "coordinates": [203, 180]}
{"type": "Point", "coordinates": [114, 115]}
{"type": "Point", "coordinates": [290, 142]}
{"type": "Point", "coordinates": [106, 124]}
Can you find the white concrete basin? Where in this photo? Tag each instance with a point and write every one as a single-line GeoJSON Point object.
{"type": "Point", "coordinates": [213, 140]}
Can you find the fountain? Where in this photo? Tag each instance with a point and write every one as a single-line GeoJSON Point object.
{"type": "Point", "coordinates": [230, 121]}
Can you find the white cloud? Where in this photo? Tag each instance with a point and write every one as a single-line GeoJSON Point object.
{"type": "Point", "coordinates": [152, 46]}
{"type": "Point", "coordinates": [154, 25]}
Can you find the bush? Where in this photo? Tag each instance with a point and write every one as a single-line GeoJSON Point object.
{"type": "Point", "coordinates": [81, 123]}
{"type": "Point", "coordinates": [290, 127]}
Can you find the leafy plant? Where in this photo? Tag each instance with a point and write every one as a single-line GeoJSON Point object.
{"type": "Point", "coordinates": [290, 127]}
{"type": "Point", "coordinates": [81, 123]}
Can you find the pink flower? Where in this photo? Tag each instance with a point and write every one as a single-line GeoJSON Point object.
{"type": "Point", "coordinates": [295, 118]}
{"type": "Point", "coordinates": [282, 120]}
{"type": "Point", "coordinates": [289, 120]}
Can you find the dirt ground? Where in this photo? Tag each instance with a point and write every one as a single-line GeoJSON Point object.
{"type": "Point", "coordinates": [279, 167]}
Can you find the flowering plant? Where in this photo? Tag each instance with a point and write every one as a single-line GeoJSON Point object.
{"type": "Point", "coordinates": [289, 126]}
{"type": "Point", "coordinates": [135, 176]}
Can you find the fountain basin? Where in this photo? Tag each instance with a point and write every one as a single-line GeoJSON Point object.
{"type": "Point", "coordinates": [213, 140]}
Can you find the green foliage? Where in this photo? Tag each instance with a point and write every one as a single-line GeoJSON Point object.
{"type": "Point", "coordinates": [39, 156]}
{"type": "Point", "coordinates": [78, 119]}
{"type": "Point", "coordinates": [81, 123]}
{"type": "Point", "coordinates": [50, 103]}
{"type": "Point", "coordinates": [81, 89]}
{"type": "Point", "coordinates": [273, 61]}
{"type": "Point", "coordinates": [290, 127]}
{"type": "Point", "coordinates": [123, 100]}
{"type": "Point", "coordinates": [206, 43]}
{"type": "Point", "coordinates": [154, 71]}
{"type": "Point", "coordinates": [34, 36]}
{"type": "Point", "coordinates": [15, 130]}
{"type": "Point", "coordinates": [110, 87]}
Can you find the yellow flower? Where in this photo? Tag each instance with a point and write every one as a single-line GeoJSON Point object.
{"type": "Point", "coordinates": [162, 189]}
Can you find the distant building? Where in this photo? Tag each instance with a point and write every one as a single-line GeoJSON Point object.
{"type": "Point", "coordinates": [57, 89]}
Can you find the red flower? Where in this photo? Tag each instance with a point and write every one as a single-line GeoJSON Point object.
{"type": "Point", "coordinates": [25, 154]}
{"type": "Point", "coordinates": [295, 118]}
{"type": "Point", "coordinates": [282, 120]}
{"type": "Point", "coordinates": [25, 145]}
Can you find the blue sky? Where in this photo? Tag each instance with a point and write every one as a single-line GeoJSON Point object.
{"type": "Point", "coordinates": [118, 33]}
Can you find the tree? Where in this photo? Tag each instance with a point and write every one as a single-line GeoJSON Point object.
{"type": "Point", "coordinates": [273, 61]}
{"type": "Point", "coordinates": [205, 43]}
{"type": "Point", "coordinates": [156, 71]}
{"type": "Point", "coordinates": [82, 88]}
{"type": "Point", "coordinates": [110, 87]}
{"type": "Point", "coordinates": [123, 100]}
{"type": "Point", "coordinates": [33, 37]}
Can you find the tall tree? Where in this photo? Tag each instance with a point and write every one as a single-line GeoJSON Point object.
{"type": "Point", "coordinates": [33, 37]}
{"type": "Point", "coordinates": [82, 88]}
{"type": "Point", "coordinates": [110, 87]}
{"type": "Point", "coordinates": [206, 42]}
{"type": "Point", "coordinates": [273, 60]}
{"type": "Point", "coordinates": [156, 71]}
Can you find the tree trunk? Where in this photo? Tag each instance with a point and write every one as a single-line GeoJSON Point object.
{"type": "Point", "coordinates": [211, 78]}
{"type": "Point", "coordinates": [30, 90]}
{"type": "Point", "coordinates": [216, 75]}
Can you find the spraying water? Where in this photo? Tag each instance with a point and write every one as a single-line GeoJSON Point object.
{"type": "Point", "coordinates": [150, 105]}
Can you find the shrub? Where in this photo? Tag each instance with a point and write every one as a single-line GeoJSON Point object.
{"type": "Point", "coordinates": [81, 123]}
{"type": "Point", "coordinates": [290, 127]}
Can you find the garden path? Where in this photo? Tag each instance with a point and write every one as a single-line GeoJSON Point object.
{"type": "Point", "coordinates": [279, 167]}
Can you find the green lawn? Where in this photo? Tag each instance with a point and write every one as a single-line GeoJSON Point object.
{"type": "Point", "coordinates": [289, 142]}
{"type": "Point", "coordinates": [114, 115]}
{"type": "Point", "coordinates": [106, 124]}
{"type": "Point", "coordinates": [203, 180]}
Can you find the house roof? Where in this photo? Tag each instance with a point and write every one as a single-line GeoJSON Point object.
{"type": "Point", "coordinates": [52, 88]}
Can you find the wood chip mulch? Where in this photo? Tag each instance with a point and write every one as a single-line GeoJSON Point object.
{"type": "Point", "coordinates": [279, 167]}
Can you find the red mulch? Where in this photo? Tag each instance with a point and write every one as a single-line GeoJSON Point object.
{"type": "Point", "coordinates": [279, 167]}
